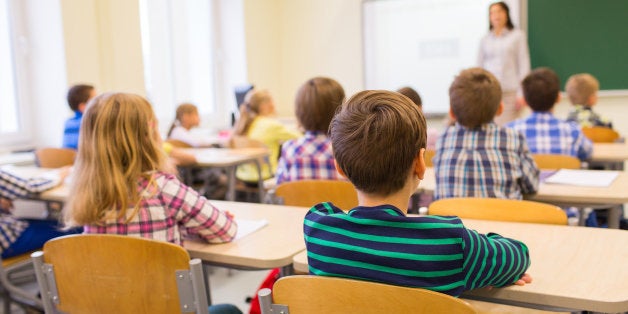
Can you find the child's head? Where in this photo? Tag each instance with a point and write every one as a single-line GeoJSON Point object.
{"type": "Point", "coordinates": [541, 89]}
{"type": "Point", "coordinates": [79, 95]}
{"type": "Point", "coordinates": [119, 143]}
{"type": "Point", "coordinates": [186, 116]}
{"type": "Point", "coordinates": [376, 138]}
{"type": "Point", "coordinates": [316, 103]}
{"type": "Point", "coordinates": [256, 103]}
{"type": "Point", "coordinates": [582, 89]}
{"type": "Point", "coordinates": [475, 97]}
{"type": "Point", "coordinates": [412, 94]}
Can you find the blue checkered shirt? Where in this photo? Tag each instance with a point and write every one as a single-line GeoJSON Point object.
{"type": "Point", "coordinates": [547, 134]}
{"type": "Point", "coordinates": [307, 158]}
{"type": "Point", "coordinates": [489, 161]}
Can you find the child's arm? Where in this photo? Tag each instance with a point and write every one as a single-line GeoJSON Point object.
{"type": "Point", "coordinates": [583, 145]}
{"type": "Point", "coordinates": [492, 260]}
{"type": "Point", "coordinates": [12, 186]}
{"type": "Point", "coordinates": [529, 182]}
{"type": "Point", "coordinates": [197, 215]}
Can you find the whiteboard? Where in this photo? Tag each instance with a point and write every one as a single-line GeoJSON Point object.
{"type": "Point", "coordinates": [423, 44]}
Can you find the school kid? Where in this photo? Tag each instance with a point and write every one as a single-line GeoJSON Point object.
{"type": "Point", "coordinates": [187, 117]}
{"type": "Point", "coordinates": [544, 133]}
{"type": "Point", "coordinates": [19, 236]}
{"type": "Point", "coordinates": [119, 186]}
{"type": "Point", "coordinates": [310, 157]}
{"type": "Point", "coordinates": [256, 122]}
{"type": "Point", "coordinates": [582, 91]}
{"type": "Point", "coordinates": [78, 96]}
{"type": "Point", "coordinates": [376, 241]}
{"type": "Point", "coordinates": [432, 134]}
{"type": "Point", "coordinates": [475, 157]}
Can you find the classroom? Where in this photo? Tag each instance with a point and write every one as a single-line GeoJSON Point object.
{"type": "Point", "coordinates": [200, 51]}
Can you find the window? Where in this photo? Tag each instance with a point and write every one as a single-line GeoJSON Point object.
{"type": "Point", "coordinates": [193, 52]}
{"type": "Point", "coordinates": [9, 114]}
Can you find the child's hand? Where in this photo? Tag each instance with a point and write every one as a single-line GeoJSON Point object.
{"type": "Point", "coordinates": [5, 204]}
{"type": "Point", "coordinates": [525, 279]}
{"type": "Point", "coordinates": [229, 214]}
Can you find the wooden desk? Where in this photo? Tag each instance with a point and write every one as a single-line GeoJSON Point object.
{"type": "Point", "coordinates": [566, 195]}
{"type": "Point", "coordinates": [612, 154]}
{"type": "Point", "coordinates": [229, 159]}
{"type": "Point", "coordinates": [572, 267]}
{"type": "Point", "coordinates": [26, 158]}
{"type": "Point", "coordinates": [270, 247]}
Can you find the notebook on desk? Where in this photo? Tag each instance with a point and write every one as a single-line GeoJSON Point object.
{"type": "Point", "coordinates": [247, 226]}
{"type": "Point", "coordinates": [588, 178]}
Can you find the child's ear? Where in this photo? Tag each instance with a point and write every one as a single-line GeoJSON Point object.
{"type": "Point", "coordinates": [558, 98]}
{"type": "Point", "coordinates": [339, 170]}
{"type": "Point", "coordinates": [419, 164]}
{"type": "Point", "coordinates": [452, 115]}
{"type": "Point", "coordinates": [500, 109]}
{"type": "Point", "coordinates": [81, 107]}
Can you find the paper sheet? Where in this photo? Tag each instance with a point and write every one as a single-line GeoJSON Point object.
{"type": "Point", "coordinates": [246, 227]}
{"type": "Point", "coordinates": [590, 178]}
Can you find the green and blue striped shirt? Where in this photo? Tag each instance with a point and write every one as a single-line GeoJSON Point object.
{"type": "Point", "coordinates": [433, 252]}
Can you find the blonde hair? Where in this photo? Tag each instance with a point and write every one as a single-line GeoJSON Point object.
{"type": "Point", "coordinates": [118, 144]}
{"type": "Point", "coordinates": [183, 109]}
{"type": "Point", "coordinates": [249, 110]}
{"type": "Point", "coordinates": [580, 87]}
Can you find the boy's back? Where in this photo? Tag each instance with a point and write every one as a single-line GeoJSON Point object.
{"type": "Point", "coordinates": [544, 133]}
{"type": "Point", "coordinates": [475, 157]}
{"type": "Point", "coordinates": [489, 161]}
{"type": "Point", "coordinates": [376, 241]}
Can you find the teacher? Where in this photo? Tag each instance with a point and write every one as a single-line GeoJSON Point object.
{"type": "Point", "coordinates": [504, 52]}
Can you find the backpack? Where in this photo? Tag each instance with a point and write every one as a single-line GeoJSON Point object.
{"type": "Point", "coordinates": [268, 282]}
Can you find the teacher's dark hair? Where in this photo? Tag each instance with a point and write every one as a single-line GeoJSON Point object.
{"type": "Point", "coordinates": [504, 7]}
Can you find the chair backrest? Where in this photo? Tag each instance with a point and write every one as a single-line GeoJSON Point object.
{"type": "Point", "coordinates": [118, 274]}
{"type": "Point", "coordinates": [600, 134]}
{"type": "Point", "coordinates": [51, 157]}
{"type": "Point", "coordinates": [319, 294]}
{"type": "Point", "coordinates": [311, 192]}
{"type": "Point", "coordinates": [429, 155]}
{"type": "Point", "coordinates": [499, 210]}
{"type": "Point", "coordinates": [555, 162]}
{"type": "Point", "coordinates": [178, 143]}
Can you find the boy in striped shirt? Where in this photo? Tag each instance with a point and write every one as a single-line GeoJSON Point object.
{"type": "Point", "coordinates": [379, 140]}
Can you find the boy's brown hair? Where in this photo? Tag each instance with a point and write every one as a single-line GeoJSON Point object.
{"type": "Point", "coordinates": [474, 96]}
{"type": "Point", "coordinates": [580, 88]}
{"type": "Point", "coordinates": [376, 137]}
{"type": "Point", "coordinates": [412, 94]}
{"type": "Point", "coordinates": [79, 94]}
{"type": "Point", "coordinates": [540, 89]}
{"type": "Point", "coordinates": [316, 103]}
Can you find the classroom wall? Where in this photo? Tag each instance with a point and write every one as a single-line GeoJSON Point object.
{"type": "Point", "coordinates": [290, 41]}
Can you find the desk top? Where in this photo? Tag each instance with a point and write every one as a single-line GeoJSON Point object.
{"type": "Point", "coordinates": [561, 193]}
{"type": "Point", "coordinates": [610, 152]}
{"type": "Point", "coordinates": [572, 267]}
{"type": "Point", "coordinates": [26, 158]}
{"type": "Point", "coordinates": [225, 157]}
{"type": "Point", "coordinates": [272, 246]}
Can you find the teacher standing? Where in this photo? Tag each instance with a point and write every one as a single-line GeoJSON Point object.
{"type": "Point", "coordinates": [504, 52]}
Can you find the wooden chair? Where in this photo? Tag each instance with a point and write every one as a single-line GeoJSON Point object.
{"type": "Point", "coordinates": [92, 273]}
{"type": "Point", "coordinates": [429, 155]}
{"type": "Point", "coordinates": [599, 134]}
{"type": "Point", "coordinates": [318, 294]}
{"type": "Point", "coordinates": [555, 162]}
{"type": "Point", "coordinates": [499, 210]}
{"type": "Point", "coordinates": [51, 157]}
{"type": "Point", "coordinates": [310, 192]}
{"type": "Point", "coordinates": [18, 283]}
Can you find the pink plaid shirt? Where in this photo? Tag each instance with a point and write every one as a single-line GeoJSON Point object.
{"type": "Point", "coordinates": [170, 211]}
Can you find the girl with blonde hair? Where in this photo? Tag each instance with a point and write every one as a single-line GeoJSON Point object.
{"type": "Point", "coordinates": [119, 185]}
{"type": "Point", "coordinates": [256, 123]}
{"type": "Point", "coordinates": [186, 118]}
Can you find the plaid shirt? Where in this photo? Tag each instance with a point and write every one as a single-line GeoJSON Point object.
{"type": "Point", "coordinates": [489, 161]}
{"type": "Point", "coordinates": [12, 187]}
{"type": "Point", "coordinates": [547, 134]}
{"type": "Point", "coordinates": [169, 211]}
{"type": "Point", "coordinates": [309, 157]}
{"type": "Point", "coordinates": [585, 117]}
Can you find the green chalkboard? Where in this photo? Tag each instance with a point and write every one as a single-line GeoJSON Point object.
{"type": "Point", "coordinates": [575, 36]}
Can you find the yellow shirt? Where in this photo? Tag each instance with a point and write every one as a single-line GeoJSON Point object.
{"type": "Point", "coordinates": [272, 133]}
